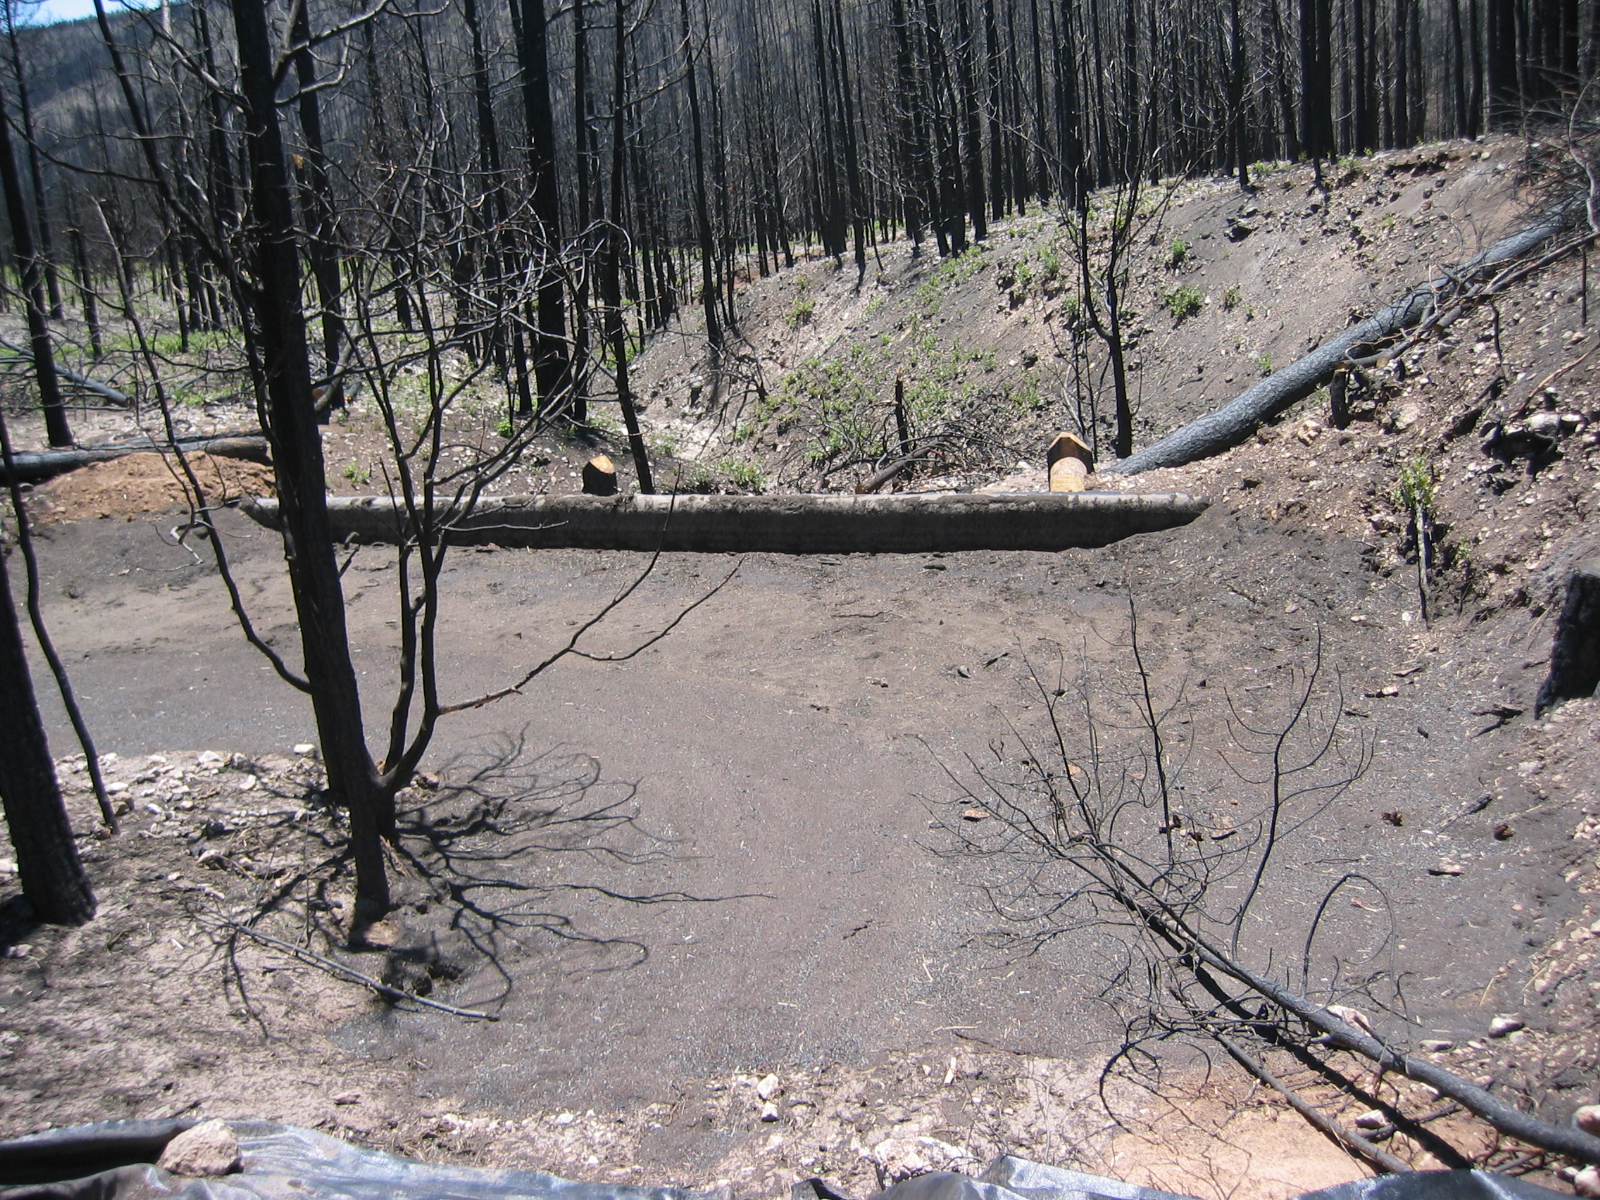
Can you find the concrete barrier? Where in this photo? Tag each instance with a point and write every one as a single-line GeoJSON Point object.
{"type": "Point", "coordinates": [793, 524]}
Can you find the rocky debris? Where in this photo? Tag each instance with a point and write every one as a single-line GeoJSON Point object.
{"type": "Point", "coordinates": [903, 1158]}
{"type": "Point", "coordinates": [1436, 1045]}
{"type": "Point", "coordinates": [1505, 1024]}
{"type": "Point", "coordinates": [768, 1087]}
{"type": "Point", "coordinates": [210, 1148]}
{"type": "Point", "coordinates": [1587, 1119]}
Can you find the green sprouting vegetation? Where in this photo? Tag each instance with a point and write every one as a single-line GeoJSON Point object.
{"type": "Point", "coordinates": [949, 275]}
{"type": "Point", "coordinates": [505, 428]}
{"type": "Point", "coordinates": [356, 474]}
{"type": "Point", "coordinates": [1414, 490]}
{"type": "Point", "coordinates": [803, 310]}
{"type": "Point", "coordinates": [1183, 301]}
{"type": "Point", "coordinates": [1264, 364]}
{"type": "Point", "coordinates": [1050, 263]}
{"type": "Point", "coordinates": [1177, 254]}
{"type": "Point", "coordinates": [745, 475]}
{"type": "Point", "coordinates": [840, 408]}
{"type": "Point", "coordinates": [1232, 297]}
{"type": "Point", "coordinates": [666, 444]}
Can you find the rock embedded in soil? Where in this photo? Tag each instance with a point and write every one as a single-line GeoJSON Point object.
{"type": "Point", "coordinates": [210, 1148]}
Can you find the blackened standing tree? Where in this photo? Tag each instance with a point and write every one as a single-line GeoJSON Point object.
{"type": "Point", "coordinates": [52, 874]}
{"type": "Point", "coordinates": [1505, 93]}
{"type": "Point", "coordinates": [702, 211]}
{"type": "Point", "coordinates": [611, 279]}
{"type": "Point", "coordinates": [47, 858]}
{"type": "Point", "coordinates": [552, 363]}
{"type": "Point", "coordinates": [57, 429]}
{"type": "Point", "coordinates": [282, 364]}
{"type": "Point", "coordinates": [320, 240]}
{"type": "Point", "coordinates": [1236, 83]}
{"type": "Point", "coordinates": [41, 211]}
{"type": "Point", "coordinates": [971, 135]}
{"type": "Point", "coordinates": [1316, 81]}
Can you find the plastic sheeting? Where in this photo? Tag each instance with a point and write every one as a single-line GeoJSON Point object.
{"type": "Point", "coordinates": [112, 1161]}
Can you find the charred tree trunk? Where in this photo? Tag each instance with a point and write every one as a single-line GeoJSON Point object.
{"type": "Point", "coordinates": [282, 366]}
{"type": "Point", "coordinates": [616, 334]}
{"type": "Point", "coordinates": [55, 413]}
{"type": "Point", "coordinates": [552, 364]}
{"type": "Point", "coordinates": [321, 249]}
{"type": "Point", "coordinates": [702, 211]}
{"type": "Point", "coordinates": [52, 875]}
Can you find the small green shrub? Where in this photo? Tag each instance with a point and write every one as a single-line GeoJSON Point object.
{"type": "Point", "coordinates": [505, 429]}
{"type": "Point", "coordinates": [1183, 301]}
{"type": "Point", "coordinates": [1414, 491]}
{"type": "Point", "coordinates": [358, 475]}
{"type": "Point", "coordinates": [744, 475]}
{"type": "Point", "coordinates": [1232, 298]}
{"type": "Point", "coordinates": [1177, 253]}
{"type": "Point", "coordinates": [1264, 364]}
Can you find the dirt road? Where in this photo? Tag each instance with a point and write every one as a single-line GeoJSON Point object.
{"type": "Point", "coordinates": [785, 744]}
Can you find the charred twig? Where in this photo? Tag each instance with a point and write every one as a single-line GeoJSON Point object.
{"type": "Point", "coordinates": [1351, 1141]}
{"type": "Point", "coordinates": [334, 967]}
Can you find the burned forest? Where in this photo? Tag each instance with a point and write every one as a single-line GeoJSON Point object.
{"type": "Point", "coordinates": [679, 599]}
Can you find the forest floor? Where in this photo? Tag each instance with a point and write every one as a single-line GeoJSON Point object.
{"type": "Point", "coordinates": [772, 775]}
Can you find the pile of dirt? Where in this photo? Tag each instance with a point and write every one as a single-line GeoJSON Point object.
{"type": "Point", "coordinates": [144, 483]}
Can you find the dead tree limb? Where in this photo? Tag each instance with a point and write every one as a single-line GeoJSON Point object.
{"type": "Point", "coordinates": [36, 466]}
{"type": "Point", "coordinates": [1353, 1142]}
{"type": "Point", "coordinates": [103, 390]}
{"type": "Point", "coordinates": [334, 967]}
{"type": "Point", "coordinates": [1236, 421]}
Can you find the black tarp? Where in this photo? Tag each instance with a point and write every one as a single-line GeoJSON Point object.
{"type": "Point", "coordinates": [113, 1160]}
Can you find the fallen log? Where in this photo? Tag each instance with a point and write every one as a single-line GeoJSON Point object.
{"type": "Point", "coordinates": [805, 524]}
{"type": "Point", "coordinates": [103, 390]}
{"type": "Point", "coordinates": [1240, 418]}
{"type": "Point", "coordinates": [36, 466]}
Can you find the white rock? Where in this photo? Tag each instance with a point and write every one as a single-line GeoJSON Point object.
{"type": "Point", "coordinates": [1353, 1017]}
{"type": "Point", "coordinates": [210, 1148]}
{"type": "Point", "coordinates": [1371, 1119]}
{"type": "Point", "coordinates": [303, 747]}
{"type": "Point", "coordinates": [1587, 1119]}
{"type": "Point", "coordinates": [768, 1087]}
{"type": "Point", "coordinates": [1587, 1182]}
{"type": "Point", "coordinates": [1505, 1023]}
{"type": "Point", "coordinates": [769, 1111]}
{"type": "Point", "coordinates": [566, 1118]}
{"type": "Point", "coordinates": [1437, 1045]}
{"type": "Point", "coordinates": [208, 758]}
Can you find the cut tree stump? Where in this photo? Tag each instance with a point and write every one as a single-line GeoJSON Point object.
{"type": "Point", "coordinates": [1071, 463]}
{"type": "Point", "coordinates": [1575, 654]}
{"type": "Point", "coordinates": [600, 476]}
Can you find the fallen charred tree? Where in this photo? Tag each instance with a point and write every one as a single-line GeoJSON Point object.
{"type": "Point", "coordinates": [804, 524]}
{"type": "Point", "coordinates": [33, 467]}
{"type": "Point", "coordinates": [104, 390]}
{"type": "Point", "coordinates": [1432, 304]}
